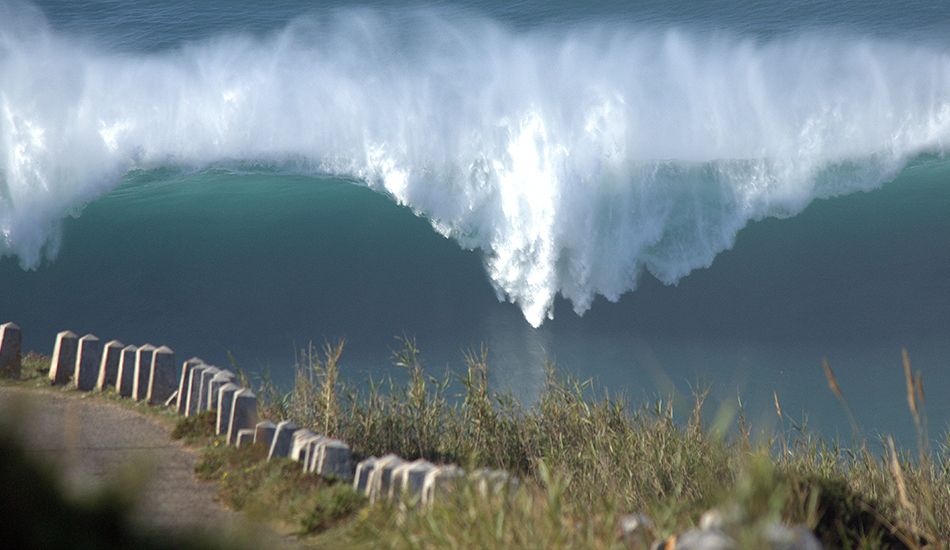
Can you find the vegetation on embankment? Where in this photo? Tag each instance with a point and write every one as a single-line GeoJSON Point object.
{"type": "Point", "coordinates": [582, 462]}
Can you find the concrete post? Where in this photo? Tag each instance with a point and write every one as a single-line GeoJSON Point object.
{"type": "Point", "coordinates": [194, 389]}
{"type": "Point", "coordinates": [264, 433]}
{"type": "Point", "coordinates": [363, 470]}
{"type": "Point", "coordinates": [298, 444]}
{"type": "Point", "coordinates": [11, 353]}
{"type": "Point", "coordinates": [225, 402]}
{"type": "Point", "coordinates": [245, 437]}
{"type": "Point", "coordinates": [184, 389]}
{"type": "Point", "coordinates": [442, 480]}
{"type": "Point", "coordinates": [143, 367]}
{"type": "Point", "coordinates": [282, 438]}
{"type": "Point", "coordinates": [204, 387]}
{"type": "Point", "coordinates": [381, 476]}
{"type": "Point", "coordinates": [409, 477]}
{"type": "Point", "coordinates": [126, 373]}
{"type": "Point", "coordinates": [64, 357]}
{"type": "Point", "coordinates": [333, 459]}
{"type": "Point", "coordinates": [243, 413]}
{"type": "Point", "coordinates": [109, 366]}
{"type": "Point", "coordinates": [221, 378]}
{"type": "Point", "coordinates": [161, 380]}
{"type": "Point", "coordinates": [88, 357]}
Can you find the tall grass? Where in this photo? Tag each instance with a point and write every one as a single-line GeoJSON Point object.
{"type": "Point", "coordinates": [584, 462]}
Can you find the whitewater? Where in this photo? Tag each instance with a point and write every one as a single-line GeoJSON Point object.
{"type": "Point", "coordinates": [575, 158]}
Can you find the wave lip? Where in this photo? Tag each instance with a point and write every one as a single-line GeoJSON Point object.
{"type": "Point", "coordinates": [575, 159]}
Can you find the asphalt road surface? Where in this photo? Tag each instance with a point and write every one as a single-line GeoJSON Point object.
{"type": "Point", "coordinates": [94, 443]}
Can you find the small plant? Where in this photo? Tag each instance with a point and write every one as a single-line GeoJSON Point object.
{"type": "Point", "coordinates": [195, 428]}
{"type": "Point", "coordinates": [277, 489]}
{"type": "Point", "coordinates": [34, 365]}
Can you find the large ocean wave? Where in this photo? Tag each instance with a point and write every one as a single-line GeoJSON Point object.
{"type": "Point", "coordinates": [575, 159]}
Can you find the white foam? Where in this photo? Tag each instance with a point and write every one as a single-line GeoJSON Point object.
{"type": "Point", "coordinates": [574, 159]}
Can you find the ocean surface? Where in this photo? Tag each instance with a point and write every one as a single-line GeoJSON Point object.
{"type": "Point", "coordinates": [658, 195]}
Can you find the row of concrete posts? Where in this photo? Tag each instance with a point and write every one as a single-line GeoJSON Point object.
{"type": "Point", "coordinates": [147, 373]}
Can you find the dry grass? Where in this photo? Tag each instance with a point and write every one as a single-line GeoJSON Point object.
{"type": "Point", "coordinates": [585, 462]}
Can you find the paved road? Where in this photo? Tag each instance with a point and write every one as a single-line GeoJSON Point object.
{"type": "Point", "coordinates": [92, 442]}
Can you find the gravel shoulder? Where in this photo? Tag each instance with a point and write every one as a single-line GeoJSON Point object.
{"type": "Point", "coordinates": [93, 443]}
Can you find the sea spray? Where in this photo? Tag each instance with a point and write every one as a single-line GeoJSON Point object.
{"type": "Point", "coordinates": [574, 158]}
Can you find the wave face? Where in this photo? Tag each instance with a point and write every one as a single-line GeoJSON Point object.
{"type": "Point", "coordinates": [575, 158]}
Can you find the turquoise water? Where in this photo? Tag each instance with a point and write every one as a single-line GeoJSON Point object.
{"type": "Point", "coordinates": [656, 196]}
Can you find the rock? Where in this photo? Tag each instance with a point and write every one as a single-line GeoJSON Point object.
{"type": "Point", "coordinates": [783, 537]}
{"type": "Point", "coordinates": [732, 520]}
{"type": "Point", "coordinates": [700, 539]}
{"type": "Point", "coordinates": [724, 518]}
{"type": "Point", "coordinates": [638, 532]}
{"type": "Point", "coordinates": [63, 363]}
{"type": "Point", "coordinates": [109, 366]}
{"type": "Point", "coordinates": [11, 354]}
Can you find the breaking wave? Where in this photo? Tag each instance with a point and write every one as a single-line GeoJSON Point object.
{"type": "Point", "coordinates": [575, 159]}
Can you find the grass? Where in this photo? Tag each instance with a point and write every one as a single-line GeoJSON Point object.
{"type": "Point", "coordinates": [277, 490]}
